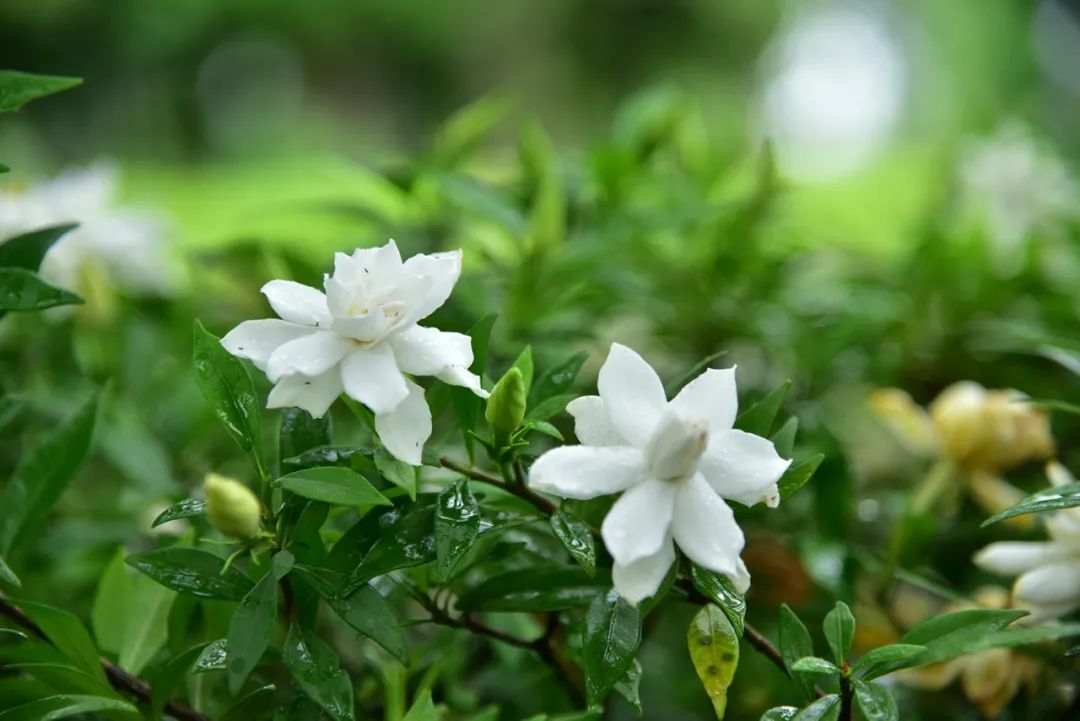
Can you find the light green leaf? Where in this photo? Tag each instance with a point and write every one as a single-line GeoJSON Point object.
{"type": "Point", "coordinates": [315, 667]}
{"type": "Point", "coordinates": [885, 655]}
{"type": "Point", "coordinates": [54, 708]}
{"type": "Point", "coordinates": [423, 709]}
{"type": "Point", "coordinates": [7, 576]}
{"type": "Point", "coordinates": [333, 484]}
{"type": "Point", "coordinates": [213, 657]}
{"type": "Point", "coordinates": [826, 708]}
{"type": "Point", "coordinates": [187, 508]}
{"type": "Point", "coordinates": [839, 629]}
{"type": "Point", "coordinates": [813, 664]}
{"type": "Point", "coordinates": [714, 651]}
{"type": "Point", "coordinates": [524, 363]}
{"type": "Point", "coordinates": [875, 702]}
{"type": "Point", "coordinates": [18, 88]}
{"type": "Point", "coordinates": [780, 713]}
{"type": "Point", "coordinates": [109, 613]}
{"type": "Point", "coordinates": [612, 636]}
{"type": "Point", "coordinates": [147, 629]}
{"type": "Point", "coordinates": [68, 635]}
{"type": "Point", "coordinates": [1051, 499]}
{"type": "Point", "coordinates": [457, 521]}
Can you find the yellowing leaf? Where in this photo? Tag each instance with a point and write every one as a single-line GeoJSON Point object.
{"type": "Point", "coordinates": [714, 650]}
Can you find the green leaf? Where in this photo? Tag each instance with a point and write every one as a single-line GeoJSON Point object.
{"type": "Point", "coordinates": [407, 539]}
{"type": "Point", "coordinates": [875, 702]}
{"type": "Point", "coordinates": [555, 381]}
{"type": "Point", "coordinates": [26, 251]}
{"type": "Point", "coordinates": [722, 591]}
{"type": "Point", "coordinates": [397, 472]}
{"type": "Point", "coordinates": [315, 667]}
{"type": "Point", "coordinates": [697, 369]}
{"type": "Point", "coordinates": [147, 629]}
{"type": "Point", "coordinates": [544, 427]}
{"type": "Point", "coordinates": [839, 629]}
{"type": "Point", "coordinates": [193, 572]}
{"type": "Point", "coordinates": [18, 88]}
{"type": "Point", "coordinates": [826, 708]}
{"type": "Point", "coordinates": [213, 657]}
{"type": "Point", "coordinates": [714, 651]}
{"type": "Point", "coordinates": [551, 588]}
{"type": "Point", "coordinates": [63, 678]}
{"type": "Point", "coordinates": [576, 537]}
{"type": "Point", "coordinates": [550, 406]}
{"type": "Point", "coordinates": [54, 708]}
{"type": "Point", "coordinates": [164, 682]}
{"type": "Point", "coordinates": [333, 484]}
{"type": "Point", "coordinates": [466, 128]}
{"type": "Point", "coordinates": [42, 476]}
{"type": "Point", "coordinates": [629, 686]}
{"type": "Point", "coordinates": [813, 664]}
{"type": "Point", "coordinates": [795, 643]}
{"type": "Point", "coordinates": [784, 439]}
{"type": "Point", "coordinates": [110, 611]}
{"type": "Point", "coordinates": [457, 521]}
{"type": "Point", "coordinates": [187, 508]}
{"type": "Point", "coordinates": [524, 363]}
{"type": "Point", "coordinates": [885, 655]}
{"type": "Point", "coordinates": [68, 635]}
{"type": "Point", "coordinates": [612, 636]}
{"type": "Point", "coordinates": [1051, 499]}
{"type": "Point", "coordinates": [797, 476]}
{"type": "Point", "coordinates": [780, 713]}
{"type": "Point", "coordinates": [253, 623]}
{"type": "Point", "coordinates": [480, 334]}
{"type": "Point", "coordinates": [940, 627]}
{"type": "Point", "coordinates": [7, 576]}
{"type": "Point", "coordinates": [23, 290]}
{"type": "Point", "coordinates": [227, 388]}
{"type": "Point", "coordinates": [423, 709]}
{"type": "Point", "coordinates": [258, 703]}
{"type": "Point", "coordinates": [300, 432]}
{"type": "Point", "coordinates": [760, 417]}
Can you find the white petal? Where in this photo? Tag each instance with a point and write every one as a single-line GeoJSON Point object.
{"type": "Point", "coordinates": [592, 422]}
{"type": "Point", "coordinates": [296, 303]}
{"type": "Point", "coordinates": [257, 339]}
{"type": "Point", "coordinates": [743, 467]}
{"type": "Point", "coordinates": [638, 580]}
{"type": "Point", "coordinates": [406, 428]}
{"type": "Point", "coordinates": [372, 377]}
{"type": "Point", "coordinates": [309, 355]}
{"type": "Point", "coordinates": [1049, 585]}
{"type": "Point", "coordinates": [457, 376]}
{"type": "Point", "coordinates": [711, 397]}
{"type": "Point", "coordinates": [429, 351]}
{"type": "Point", "coordinates": [633, 394]}
{"type": "Point", "coordinates": [638, 523]}
{"type": "Point", "coordinates": [314, 395]}
{"type": "Point", "coordinates": [1012, 558]}
{"type": "Point", "coordinates": [440, 272]}
{"type": "Point", "coordinates": [382, 263]}
{"type": "Point", "coordinates": [586, 472]}
{"type": "Point", "coordinates": [705, 529]}
{"type": "Point", "coordinates": [741, 577]}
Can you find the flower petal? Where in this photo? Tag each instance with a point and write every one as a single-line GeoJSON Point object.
{"type": "Point", "coordinates": [704, 527]}
{"type": "Point", "coordinates": [314, 395]}
{"type": "Point", "coordinates": [638, 523]}
{"type": "Point", "coordinates": [1012, 558]}
{"type": "Point", "coordinates": [1049, 585]}
{"type": "Point", "coordinates": [297, 303]}
{"type": "Point", "coordinates": [256, 340]}
{"type": "Point", "coordinates": [440, 273]}
{"type": "Point", "coordinates": [741, 577]}
{"type": "Point", "coordinates": [711, 397]}
{"type": "Point", "coordinates": [382, 263]}
{"type": "Point", "coordinates": [405, 429]}
{"type": "Point", "coordinates": [633, 394]}
{"type": "Point", "coordinates": [308, 355]}
{"type": "Point", "coordinates": [457, 376]}
{"type": "Point", "coordinates": [638, 580]}
{"type": "Point", "coordinates": [586, 472]}
{"type": "Point", "coordinates": [429, 351]}
{"type": "Point", "coordinates": [592, 422]}
{"type": "Point", "coordinates": [372, 377]}
{"type": "Point", "coordinates": [743, 467]}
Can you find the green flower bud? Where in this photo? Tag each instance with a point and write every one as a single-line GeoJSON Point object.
{"type": "Point", "coordinates": [506, 406]}
{"type": "Point", "coordinates": [231, 507]}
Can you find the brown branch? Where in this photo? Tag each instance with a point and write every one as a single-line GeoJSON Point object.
{"type": "Point", "coordinates": [845, 697]}
{"type": "Point", "coordinates": [119, 679]}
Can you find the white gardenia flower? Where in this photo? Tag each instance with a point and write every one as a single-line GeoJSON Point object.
{"type": "Point", "coordinates": [676, 462]}
{"type": "Point", "coordinates": [361, 338]}
{"type": "Point", "coordinates": [128, 245]}
{"type": "Point", "coordinates": [1047, 572]}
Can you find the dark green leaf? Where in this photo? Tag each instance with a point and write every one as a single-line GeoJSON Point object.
{"type": "Point", "coordinates": [839, 629]}
{"type": "Point", "coordinates": [18, 88]}
{"type": "Point", "coordinates": [64, 678]}
{"type": "Point", "coordinates": [480, 334]}
{"type": "Point", "coordinates": [23, 290]}
{"type": "Point", "coordinates": [576, 537]}
{"type": "Point", "coordinates": [1051, 499]}
{"type": "Point", "coordinates": [797, 476]}
{"type": "Point", "coordinates": [326, 456]}
{"type": "Point", "coordinates": [7, 576]}
{"type": "Point", "coordinates": [253, 623]}
{"type": "Point", "coordinates": [697, 369]}
{"type": "Point", "coordinates": [300, 432]}
{"type": "Point", "coordinates": [983, 619]}
{"type": "Point", "coordinates": [875, 702]}
{"type": "Point", "coordinates": [26, 251]}
{"type": "Point", "coordinates": [813, 664]}
{"type": "Point", "coordinates": [556, 380]}
{"type": "Point", "coordinates": [885, 655]}
{"type": "Point", "coordinates": [795, 643]}
{"type": "Point", "coordinates": [760, 417]}
{"type": "Point", "coordinates": [550, 406]}
{"type": "Point", "coordinates": [315, 667]}
{"type": "Point", "coordinates": [784, 439]}
{"type": "Point", "coordinates": [68, 635]}
{"type": "Point", "coordinates": [54, 708]}
{"type": "Point", "coordinates": [629, 686]}
{"type": "Point", "coordinates": [457, 521]}
{"type": "Point", "coordinates": [544, 427]}
{"type": "Point", "coordinates": [191, 571]}
{"type": "Point", "coordinates": [256, 704]}
{"type": "Point", "coordinates": [714, 651]}
{"type": "Point", "coordinates": [826, 708]}
{"type": "Point", "coordinates": [165, 681]}
{"type": "Point", "coordinates": [333, 484]}
{"type": "Point", "coordinates": [722, 591]}
{"type": "Point", "coordinates": [552, 588]}
{"type": "Point", "coordinates": [612, 636]}
{"type": "Point", "coordinates": [187, 508]}
{"type": "Point", "coordinates": [406, 540]}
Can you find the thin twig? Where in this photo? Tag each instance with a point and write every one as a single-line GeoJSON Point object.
{"type": "Point", "coordinates": [119, 679]}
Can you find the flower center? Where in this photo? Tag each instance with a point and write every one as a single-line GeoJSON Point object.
{"type": "Point", "coordinates": [675, 447]}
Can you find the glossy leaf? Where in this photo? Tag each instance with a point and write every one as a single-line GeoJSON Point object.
{"type": "Point", "coordinates": [760, 418]}
{"type": "Point", "coordinates": [795, 643]}
{"type": "Point", "coordinates": [457, 521]}
{"type": "Point", "coordinates": [333, 484]}
{"type": "Point", "coordinates": [1051, 499]}
{"type": "Point", "coordinates": [53, 708]}
{"type": "Point", "coordinates": [552, 588]}
{"type": "Point", "coordinates": [576, 537]}
{"type": "Point", "coordinates": [315, 667]}
{"type": "Point", "coordinates": [18, 88]}
{"type": "Point", "coordinates": [213, 657]}
{"type": "Point", "coordinates": [884, 655]}
{"type": "Point", "coordinates": [780, 713]}
{"type": "Point", "coordinates": [839, 629]}
{"type": "Point", "coordinates": [875, 702]}
{"type": "Point", "coordinates": [24, 290]}
{"type": "Point", "coordinates": [629, 686]}
{"type": "Point", "coordinates": [409, 540]}
{"type": "Point", "coordinates": [193, 572]}
{"type": "Point", "coordinates": [68, 635]}
{"type": "Point", "coordinates": [826, 708]}
{"type": "Point", "coordinates": [722, 591]}
{"type": "Point", "coordinates": [714, 651]}
{"type": "Point", "coordinates": [796, 476]}
{"type": "Point", "coordinates": [27, 250]}
{"type": "Point", "coordinates": [300, 432]}
{"type": "Point", "coordinates": [253, 623]}
{"type": "Point", "coordinates": [612, 636]}
{"type": "Point", "coordinates": [813, 664]}
{"type": "Point", "coordinates": [187, 508]}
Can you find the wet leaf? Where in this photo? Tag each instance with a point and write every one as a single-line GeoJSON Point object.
{"type": "Point", "coordinates": [813, 664]}
{"type": "Point", "coordinates": [213, 657]}
{"type": "Point", "coordinates": [534, 590]}
{"type": "Point", "coordinates": [300, 432]}
{"type": "Point", "coordinates": [714, 651]}
{"type": "Point", "coordinates": [457, 521]}
{"type": "Point", "coordinates": [333, 484]}
{"type": "Point", "coordinates": [722, 591]}
{"type": "Point", "coordinates": [191, 571]}
{"type": "Point", "coordinates": [826, 708]}
{"type": "Point", "coordinates": [612, 636]}
{"type": "Point", "coordinates": [187, 508]}
{"type": "Point", "coordinates": [885, 655]}
{"type": "Point", "coordinates": [875, 702]}
{"type": "Point", "coordinates": [315, 667]}
{"type": "Point", "coordinates": [23, 290]}
{"type": "Point", "coordinates": [253, 623]}
{"type": "Point", "coordinates": [576, 537]}
{"type": "Point", "coordinates": [407, 540]}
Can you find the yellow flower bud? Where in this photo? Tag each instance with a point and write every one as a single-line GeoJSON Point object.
{"type": "Point", "coordinates": [989, 429]}
{"type": "Point", "coordinates": [903, 417]}
{"type": "Point", "coordinates": [506, 405]}
{"type": "Point", "coordinates": [231, 507]}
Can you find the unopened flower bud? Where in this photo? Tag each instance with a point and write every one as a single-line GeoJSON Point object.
{"type": "Point", "coordinates": [231, 507]}
{"type": "Point", "coordinates": [506, 406]}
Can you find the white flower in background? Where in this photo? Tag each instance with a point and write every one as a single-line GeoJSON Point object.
{"type": "Point", "coordinates": [129, 246]}
{"type": "Point", "coordinates": [1048, 572]}
{"type": "Point", "coordinates": [361, 337]}
{"type": "Point", "coordinates": [676, 461]}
